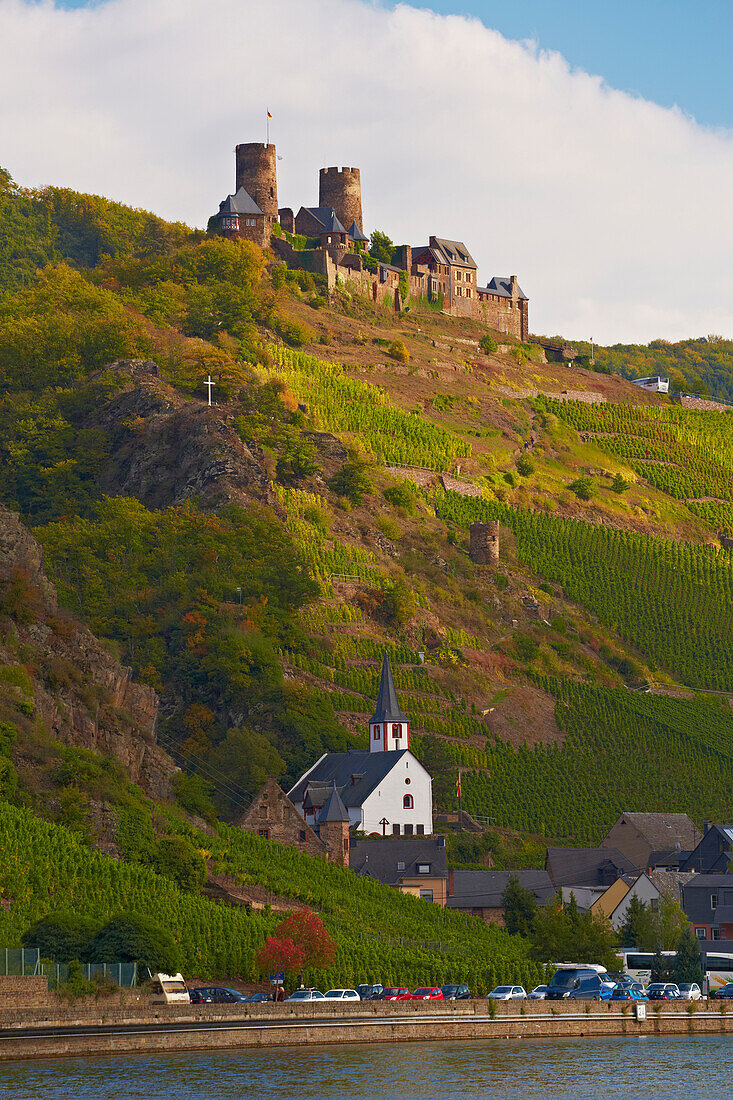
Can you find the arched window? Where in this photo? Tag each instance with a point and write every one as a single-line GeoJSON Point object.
{"type": "Point", "coordinates": [376, 733]}
{"type": "Point", "coordinates": [407, 802]}
{"type": "Point", "coordinates": [397, 731]}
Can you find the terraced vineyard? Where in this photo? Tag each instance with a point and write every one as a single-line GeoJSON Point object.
{"type": "Point", "coordinates": [380, 934]}
{"type": "Point", "coordinates": [671, 600]}
{"type": "Point", "coordinates": [684, 453]}
{"type": "Point", "coordinates": [337, 403]}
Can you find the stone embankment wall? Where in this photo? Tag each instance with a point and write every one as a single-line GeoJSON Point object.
{"type": "Point", "coordinates": [108, 1029]}
{"type": "Point", "coordinates": [589, 397]}
{"type": "Point", "coordinates": [700, 403]}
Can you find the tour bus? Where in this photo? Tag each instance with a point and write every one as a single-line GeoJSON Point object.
{"type": "Point", "coordinates": [717, 966]}
{"type": "Point", "coordinates": [656, 384]}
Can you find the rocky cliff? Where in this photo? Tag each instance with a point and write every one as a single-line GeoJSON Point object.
{"type": "Point", "coordinates": [80, 693]}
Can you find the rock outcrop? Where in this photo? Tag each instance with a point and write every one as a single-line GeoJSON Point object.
{"type": "Point", "coordinates": [82, 694]}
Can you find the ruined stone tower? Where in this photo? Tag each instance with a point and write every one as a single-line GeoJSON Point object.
{"type": "Point", "coordinates": [484, 548]}
{"type": "Point", "coordinates": [342, 191]}
{"type": "Point", "coordinates": [257, 174]}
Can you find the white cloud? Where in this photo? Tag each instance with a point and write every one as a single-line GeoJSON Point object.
{"type": "Point", "coordinates": [614, 212]}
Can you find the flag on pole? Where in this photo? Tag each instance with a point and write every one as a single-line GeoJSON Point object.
{"type": "Point", "coordinates": [269, 115]}
{"type": "Point", "coordinates": [458, 786]}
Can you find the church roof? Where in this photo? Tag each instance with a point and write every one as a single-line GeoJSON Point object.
{"type": "Point", "coordinates": [241, 203]}
{"type": "Point", "coordinates": [356, 234]}
{"type": "Point", "coordinates": [326, 215]}
{"type": "Point", "coordinates": [333, 809]}
{"type": "Point", "coordinates": [355, 774]}
{"type": "Point", "coordinates": [387, 708]}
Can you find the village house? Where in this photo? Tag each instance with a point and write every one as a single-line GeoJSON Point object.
{"type": "Point", "coordinates": [588, 867]}
{"type": "Point", "coordinates": [274, 817]}
{"type": "Point", "coordinates": [652, 841]}
{"type": "Point", "coordinates": [384, 789]}
{"type": "Point", "coordinates": [713, 854]}
{"type": "Point", "coordinates": [480, 892]}
{"type": "Point", "coordinates": [413, 865]}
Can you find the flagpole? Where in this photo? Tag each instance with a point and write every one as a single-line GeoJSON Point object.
{"type": "Point", "coordinates": [267, 126]}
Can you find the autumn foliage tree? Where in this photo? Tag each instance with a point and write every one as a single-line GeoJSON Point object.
{"type": "Point", "coordinates": [300, 942]}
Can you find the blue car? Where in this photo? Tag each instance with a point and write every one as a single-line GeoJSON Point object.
{"type": "Point", "coordinates": [629, 993]}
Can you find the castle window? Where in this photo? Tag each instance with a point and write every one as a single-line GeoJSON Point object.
{"type": "Point", "coordinates": [408, 802]}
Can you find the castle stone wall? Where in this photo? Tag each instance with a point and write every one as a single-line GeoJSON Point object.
{"type": "Point", "coordinates": [484, 547]}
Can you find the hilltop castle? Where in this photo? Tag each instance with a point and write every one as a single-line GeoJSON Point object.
{"type": "Point", "coordinates": [329, 239]}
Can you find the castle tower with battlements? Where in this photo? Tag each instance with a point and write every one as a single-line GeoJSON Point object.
{"type": "Point", "coordinates": [342, 191]}
{"type": "Point", "coordinates": [257, 174]}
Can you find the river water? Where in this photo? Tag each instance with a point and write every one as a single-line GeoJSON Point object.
{"type": "Point", "coordinates": [571, 1069]}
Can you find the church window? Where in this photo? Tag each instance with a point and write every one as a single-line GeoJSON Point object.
{"type": "Point", "coordinates": [397, 731]}
{"type": "Point", "coordinates": [407, 782]}
{"type": "Point", "coordinates": [408, 802]}
{"type": "Point", "coordinates": [396, 830]}
{"type": "Point", "coordinates": [420, 830]}
{"type": "Point", "coordinates": [376, 733]}
{"type": "Point", "coordinates": [408, 830]}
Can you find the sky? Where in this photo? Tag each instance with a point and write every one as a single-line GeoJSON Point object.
{"type": "Point", "coordinates": [585, 146]}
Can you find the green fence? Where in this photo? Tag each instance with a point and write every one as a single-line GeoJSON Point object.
{"type": "Point", "coordinates": [122, 974]}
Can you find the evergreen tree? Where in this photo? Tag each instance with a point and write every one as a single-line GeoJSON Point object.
{"type": "Point", "coordinates": [688, 961]}
{"type": "Point", "coordinates": [638, 928]}
{"type": "Point", "coordinates": [661, 967]}
{"type": "Point", "coordinates": [520, 906]}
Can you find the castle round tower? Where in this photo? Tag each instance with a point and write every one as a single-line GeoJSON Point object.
{"type": "Point", "coordinates": [257, 174]}
{"type": "Point", "coordinates": [342, 191]}
{"type": "Point", "coordinates": [484, 544]}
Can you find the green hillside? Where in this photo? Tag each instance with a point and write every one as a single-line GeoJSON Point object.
{"type": "Point", "coordinates": [251, 561]}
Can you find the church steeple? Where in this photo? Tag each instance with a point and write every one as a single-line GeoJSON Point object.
{"type": "Point", "coordinates": [389, 726]}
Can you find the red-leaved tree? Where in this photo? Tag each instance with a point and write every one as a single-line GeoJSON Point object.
{"type": "Point", "coordinates": [300, 942]}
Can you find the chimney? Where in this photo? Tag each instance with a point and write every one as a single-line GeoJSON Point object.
{"type": "Point", "coordinates": [514, 287]}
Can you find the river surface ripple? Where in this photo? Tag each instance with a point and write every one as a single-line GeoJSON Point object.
{"type": "Point", "coordinates": [656, 1068]}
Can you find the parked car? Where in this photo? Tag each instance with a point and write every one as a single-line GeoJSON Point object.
{"type": "Point", "coordinates": [507, 993]}
{"type": "Point", "coordinates": [582, 981]}
{"type": "Point", "coordinates": [724, 991]}
{"type": "Point", "coordinates": [217, 995]}
{"type": "Point", "coordinates": [341, 995]}
{"type": "Point", "coordinates": [426, 993]}
{"type": "Point", "coordinates": [394, 993]}
{"type": "Point", "coordinates": [663, 991]}
{"type": "Point", "coordinates": [258, 998]}
{"type": "Point", "coordinates": [539, 993]}
{"type": "Point", "coordinates": [690, 991]}
{"type": "Point", "coordinates": [306, 995]}
{"type": "Point", "coordinates": [628, 993]}
{"type": "Point", "coordinates": [456, 993]}
{"type": "Point", "coordinates": [370, 992]}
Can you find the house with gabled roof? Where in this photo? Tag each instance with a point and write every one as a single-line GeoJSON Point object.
{"type": "Point", "coordinates": [240, 218]}
{"type": "Point", "coordinates": [385, 789]}
{"type": "Point", "coordinates": [713, 854]}
{"type": "Point", "coordinates": [451, 272]}
{"type": "Point", "coordinates": [653, 840]}
{"type": "Point", "coordinates": [504, 306]}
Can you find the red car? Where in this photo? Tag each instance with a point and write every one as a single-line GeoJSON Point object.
{"type": "Point", "coordinates": [395, 993]}
{"type": "Point", "coordinates": [426, 993]}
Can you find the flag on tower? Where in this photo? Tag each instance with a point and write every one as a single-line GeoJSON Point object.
{"type": "Point", "coordinates": [269, 115]}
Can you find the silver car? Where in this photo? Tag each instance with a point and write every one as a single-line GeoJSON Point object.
{"type": "Point", "coordinates": [539, 993]}
{"type": "Point", "coordinates": [690, 991]}
{"type": "Point", "coordinates": [508, 993]}
{"type": "Point", "coordinates": [306, 995]}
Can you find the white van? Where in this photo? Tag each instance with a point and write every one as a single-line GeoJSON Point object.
{"type": "Point", "coordinates": [170, 989]}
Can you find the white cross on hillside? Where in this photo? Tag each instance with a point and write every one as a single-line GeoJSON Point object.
{"type": "Point", "coordinates": [209, 383]}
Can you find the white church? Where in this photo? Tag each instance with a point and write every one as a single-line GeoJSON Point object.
{"type": "Point", "coordinates": [386, 790]}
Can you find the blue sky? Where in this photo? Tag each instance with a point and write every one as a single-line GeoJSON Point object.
{"type": "Point", "coordinates": [670, 51]}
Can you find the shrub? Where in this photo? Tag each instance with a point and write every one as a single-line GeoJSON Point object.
{"type": "Point", "coordinates": [179, 860]}
{"type": "Point", "coordinates": [582, 487]}
{"type": "Point", "coordinates": [510, 478]}
{"type": "Point", "coordinates": [619, 484]}
{"type": "Point", "coordinates": [194, 794]}
{"type": "Point", "coordinates": [132, 937]}
{"type": "Point", "coordinates": [526, 647]}
{"type": "Point", "coordinates": [398, 351]}
{"type": "Point", "coordinates": [488, 344]}
{"type": "Point", "coordinates": [401, 496]}
{"type": "Point", "coordinates": [525, 465]}
{"type": "Point", "coordinates": [60, 936]}
{"type": "Point", "coordinates": [352, 480]}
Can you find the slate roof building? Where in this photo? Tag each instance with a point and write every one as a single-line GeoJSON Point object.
{"type": "Point", "coordinates": [273, 816]}
{"type": "Point", "coordinates": [240, 218]}
{"type": "Point", "coordinates": [480, 892]}
{"type": "Point", "coordinates": [385, 789]}
{"type": "Point", "coordinates": [504, 306]}
{"type": "Point", "coordinates": [589, 867]}
{"type": "Point", "coordinates": [451, 272]}
{"type": "Point", "coordinates": [653, 840]}
{"type": "Point", "coordinates": [414, 865]}
{"type": "Point", "coordinates": [714, 852]}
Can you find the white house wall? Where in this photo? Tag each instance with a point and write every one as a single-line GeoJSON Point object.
{"type": "Point", "coordinates": [386, 800]}
{"type": "Point", "coordinates": [643, 889]}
